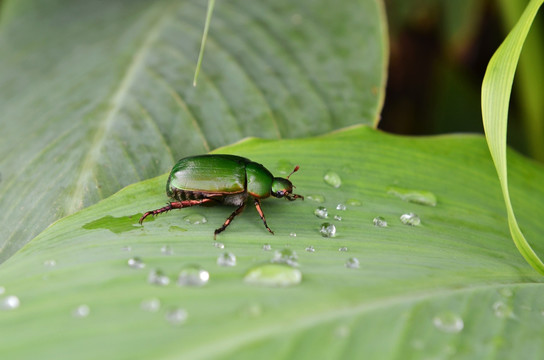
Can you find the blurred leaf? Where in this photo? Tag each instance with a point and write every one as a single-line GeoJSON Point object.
{"type": "Point", "coordinates": [452, 287]}
{"type": "Point", "coordinates": [97, 95]}
{"type": "Point", "coordinates": [496, 90]}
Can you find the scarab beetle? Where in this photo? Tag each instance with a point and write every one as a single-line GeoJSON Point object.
{"type": "Point", "coordinates": [223, 179]}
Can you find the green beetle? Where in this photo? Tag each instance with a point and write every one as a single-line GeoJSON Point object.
{"type": "Point", "coordinates": [223, 179]}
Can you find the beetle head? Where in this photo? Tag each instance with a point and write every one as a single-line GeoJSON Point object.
{"type": "Point", "coordinates": [282, 187]}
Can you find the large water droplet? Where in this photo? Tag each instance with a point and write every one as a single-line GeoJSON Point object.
{"type": "Point", "coordinates": [157, 277]}
{"type": "Point", "coordinates": [352, 263]}
{"type": "Point", "coordinates": [193, 275]}
{"type": "Point", "coordinates": [448, 322]}
{"type": "Point", "coordinates": [316, 197]}
{"type": "Point", "coordinates": [195, 219]}
{"type": "Point", "coordinates": [136, 263]}
{"type": "Point", "coordinates": [286, 256]}
{"type": "Point", "coordinates": [341, 207]}
{"type": "Point", "coordinates": [333, 179]}
{"type": "Point", "coordinates": [328, 230]}
{"type": "Point", "coordinates": [226, 259]}
{"type": "Point", "coordinates": [284, 167]}
{"type": "Point", "coordinates": [379, 221]}
{"type": "Point", "coordinates": [82, 311]}
{"type": "Point", "coordinates": [410, 219]}
{"type": "Point", "coordinates": [321, 212]}
{"type": "Point", "coordinates": [176, 316]}
{"type": "Point", "coordinates": [415, 196]}
{"type": "Point", "coordinates": [167, 250]}
{"type": "Point", "coordinates": [151, 305]}
{"type": "Point", "coordinates": [273, 275]}
{"type": "Point", "coordinates": [502, 310]}
{"type": "Point", "coordinates": [10, 302]}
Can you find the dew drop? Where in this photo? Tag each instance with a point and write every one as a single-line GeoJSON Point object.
{"type": "Point", "coordinates": [10, 302]}
{"type": "Point", "coordinates": [448, 322]}
{"type": "Point", "coordinates": [341, 207]}
{"type": "Point", "coordinates": [195, 219]}
{"type": "Point", "coordinates": [316, 197]}
{"type": "Point", "coordinates": [284, 167]}
{"type": "Point", "coordinates": [157, 277]}
{"type": "Point", "coordinates": [321, 212]}
{"type": "Point", "coordinates": [267, 247]}
{"type": "Point", "coordinates": [310, 249]}
{"type": "Point", "coordinates": [337, 218]}
{"type": "Point", "coordinates": [333, 179]}
{"type": "Point", "coordinates": [273, 274]}
{"type": "Point", "coordinates": [82, 311]}
{"type": "Point", "coordinates": [167, 250]}
{"type": "Point", "coordinates": [219, 245]}
{"type": "Point", "coordinates": [502, 310]}
{"type": "Point", "coordinates": [328, 230]}
{"type": "Point", "coordinates": [379, 222]}
{"type": "Point", "coordinates": [151, 305]}
{"type": "Point", "coordinates": [343, 249]}
{"type": "Point", "coordinates": [226, 259]}
{"type": "Point", "coordinates": [285, 256]}
{"type": "Point", "coordinates": [414, 196]}
{"type": "Point", "coordinates": [49, 263]}
{"type": "Point", "coordinates": [353, 202]}
{"type": "Point", "coordinates": [176, 316]}
{"type": "Point", "coordinates": [410, 219]}
{"type": "Point", "coordinates": [193, 275]}
{"type": "Point", "coordinates": [352, 263]}
{"type": "Point", "coordinates": [136, 263]}
{"type": "Point", "coordinates": [293, 234]}
{"type": "Point", "coordinates": [506, 292]}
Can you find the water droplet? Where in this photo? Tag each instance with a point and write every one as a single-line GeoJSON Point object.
{"type": "Point", "coordinates": [226, 259]}
{"type": "Point", "coordinates": [126, 248]}
{"type": "Point", "coordinates": [193, 275]}
{"type": "Point", "coordinates": [410, 219]}
{"type": "Point", "coordinates": [82, 311]}
{"type": "Point", "coordinates": [284, 167]}
{"type": "Point", "coordinates": [337, 218]}
{"type": "Point", "coordinates": [293, 234]}
{"type": "Point", "coordinates": [49, 263]}
{"type": "Point", "coordinates": [316, 197]}
{"type": "Point", "coordinates": [267, 247]}
{"type": "Point", "coordinates": [219, 245]}
{"type": "Point", "coordinates": [273, 275]}
{"type": "Point", "coordinates": [415, 196]}
{"type": "Point", "coordinates": [321, 212]}
{"type": "Point", "coordinates": [343, 248]}
{"type": "Point", "coordinates": [2, 290]}
{"type": "Point", "coordinates": [328, 230]}
{"type": "Point", "coordinates": [195, 219]}
{"type": "Point", "coordinates": [10, 302]}
{"type": "Point", "coordinates": [352, 263]}
{"type": "Point", "coordinates": [506, 292]}
{"type": "Point", "coordinates": [285, 256]}
{"type": "Point", "coordinates": [157, 277]}
{"type": "Point", "coordinates": [448, 322]}
{"type": "Point", "coordinates": [379, 221]}
{"type": "Point", "coordinates": [333, 179]}
{"type": "Point", "coordinates": [151, 305]}
{"type": "Point", "coordinates": [310, 249]}
{"type": "Point", "coordinates": [136, 263]}
{"type": "Point", "coordinates": [167, 250]}
{"type": "Point", "coordinates": [341, 207]}
{"type": "Point", "coordinates": [176, 316]}
{"type": "Point", "coordinates": [502, 310]}
{"type": "Point", "coordinates": [353, 202]}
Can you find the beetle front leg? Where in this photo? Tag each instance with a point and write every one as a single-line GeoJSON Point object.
{"type": "Point", "coordinates": [261, 214]}
{"type": "Point", "coordinates": [174, 205]}
{"type": "Point", "coordinates": [229, 219]}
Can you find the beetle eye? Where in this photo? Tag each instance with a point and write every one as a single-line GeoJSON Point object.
{"type": "Point", "coordinates": [280, 194]}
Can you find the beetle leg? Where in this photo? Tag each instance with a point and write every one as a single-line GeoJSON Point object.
{"type": "Point", "coordinates": [229, 219]}
{"type": "Point", "coordinates": [261, 214]}
{"type": "Point", "coordinates": [174, 205]}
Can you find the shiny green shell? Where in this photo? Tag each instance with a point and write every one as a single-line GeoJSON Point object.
{"type": "Point", "coordinates": [220, 174]}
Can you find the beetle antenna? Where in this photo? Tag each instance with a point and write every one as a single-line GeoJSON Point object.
{"type": "Point", "coordinates": [294, 171]}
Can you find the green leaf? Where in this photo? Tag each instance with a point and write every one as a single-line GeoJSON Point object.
{"type": "Point", "coordinates": [99, 95]}
{"type": "Point", "coordinates": [452, 287]}
{"type": "Point", "coordinates": [496, 89]}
